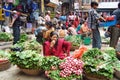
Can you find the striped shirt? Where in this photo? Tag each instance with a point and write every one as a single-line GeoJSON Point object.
{"type": "Point", "coordinates": [93, 17]}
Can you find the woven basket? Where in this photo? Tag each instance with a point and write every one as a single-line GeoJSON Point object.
{"type": "Point", "coordinates": [73, 48]}
{"type": "Point", "coordinates": [117, 73]}
{"type": "Point", "coordinates": [32, 72]}
{"type": "Point", "coordinates": [4, 64]}
{"type": "Point", "coordinates": [90, 76]}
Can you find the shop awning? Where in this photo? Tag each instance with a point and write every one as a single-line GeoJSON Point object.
{"type": "Point", "coordinates": [108, 5]}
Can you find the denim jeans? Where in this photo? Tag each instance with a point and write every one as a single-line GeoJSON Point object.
{"type": "Point", "coordinates": [16, 34]}
{"type": "Point", "coordinates": [96, 43]}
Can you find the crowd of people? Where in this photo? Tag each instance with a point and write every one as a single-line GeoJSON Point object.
{"type": "Point", "coordinates": [53, 31]}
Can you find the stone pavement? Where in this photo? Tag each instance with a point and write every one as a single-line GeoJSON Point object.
{"type": "Point", "coordinates": [14, 73]}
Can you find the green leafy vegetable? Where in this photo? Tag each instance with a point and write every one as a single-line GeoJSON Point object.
{"type": "Point", "coordinates": [100, 63]}
{"type": "Point", "coordinates": [27, 59]}
{"type": "Point", "coordinates": [75, 40]}
{"type": "Point", "coordinates": [4, 54]}
{"type": "Point", "coordinates": [50, 61]}
{"type": "Point", "coordinates": [5, 36]}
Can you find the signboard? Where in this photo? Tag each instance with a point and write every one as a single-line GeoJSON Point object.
{"type": "Point", "coordinates": [76, 6]}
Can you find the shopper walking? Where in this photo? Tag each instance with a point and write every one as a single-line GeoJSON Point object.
{"type": "Point", "coordinates": [15, 24]}
{"type": "Point", "coordinates": [93, 18]}
{"type": "Point", "coordinates": [115, 31]}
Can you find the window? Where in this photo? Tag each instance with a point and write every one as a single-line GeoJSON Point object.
{"type": "Point", "coordinates": [109, 0]}
{"type": "Point", "coordinates": [86, 1]}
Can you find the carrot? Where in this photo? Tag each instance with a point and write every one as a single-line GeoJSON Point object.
{"type": "Point", "coordinates": [78, 54]}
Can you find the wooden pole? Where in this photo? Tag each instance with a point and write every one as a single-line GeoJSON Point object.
{"type": "Point", "coordinates": [42, 7]}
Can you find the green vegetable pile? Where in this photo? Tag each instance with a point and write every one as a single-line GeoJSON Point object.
{"type": "Point", "coordinates": [23, 38]}
{"type": "Point", "coordinates": [75, 40]}
{"type": "Point", "coordinates": [4, 55]}
{"type": "Point", "coordinates": [55, 76]}
{"type": "Point", "coordinates": [5, 36]}
{"type": "Point", "coordinates": [100, 63]}
{"type": "Point", "coordinates": [50, 61]}
{"type": "Point", "coordinates": [27, 59]}
{"type": "Point", "coordinates": [29, 45]}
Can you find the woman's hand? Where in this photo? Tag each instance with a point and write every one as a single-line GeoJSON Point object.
{"type": "Point", "coordinates": [52, 43]}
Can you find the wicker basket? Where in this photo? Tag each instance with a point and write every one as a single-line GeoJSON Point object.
{"type": "Point", "coordinates": [117, 73]}
{"type": "Point", "coordinates": [91, 76]}
{"type": "Point", "coordinates": [4, 64]}
{"type": "Point", "coordinates": [32, 72]}
{"type": "Point", "coordinates": [73, 48]}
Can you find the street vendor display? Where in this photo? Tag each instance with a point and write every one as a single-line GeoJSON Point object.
{"type": "Point", "coordinates": [5, 37]}
{"type": "Point", "coordinates": [28, 61]}
{"type": "Point", "coordinates": [4, 62]}
{"type": "Point", "coordinates": [66, 69]}
{"type": "Point", "coordinates": [100, 65]}
{"type": "Point", "coordinates": [75, 41]}
{"type": "Point", "coordinates": [27, 45]}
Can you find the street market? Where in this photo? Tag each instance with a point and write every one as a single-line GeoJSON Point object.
{"type": "Point", "coordinates": [59, 40]}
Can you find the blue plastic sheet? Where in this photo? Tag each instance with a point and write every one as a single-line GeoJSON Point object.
{"type": "Point", "coordinates": [108, 23]}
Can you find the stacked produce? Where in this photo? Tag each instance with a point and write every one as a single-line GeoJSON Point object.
{"type": "Point", "coordinates": [75, 40]}
{"type": "Point", "coordinates": [5, 36]}
{"type": "Point", "coordinates": [49, 62]}
{"type": "Point", "coordinates": [27, 59]}
{"type": "Point", "coordinates": [66, 69]}
{"type": "Point", "coordinates": [100, 64]}
{"type": "Point", "coordinates": [71, 66]}
{"type": "Point", "coordinates": [28, 45]}
{"type": "Point", "coordinates": [23, 38]}
{"type": "Point", "coordinates": [4, 55]}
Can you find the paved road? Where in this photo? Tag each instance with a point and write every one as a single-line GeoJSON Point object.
{"type": "Point", "coordinates": [14, 73]}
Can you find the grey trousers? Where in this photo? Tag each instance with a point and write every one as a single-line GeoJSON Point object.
{"type": "Point", "coordinates": [114, 37]}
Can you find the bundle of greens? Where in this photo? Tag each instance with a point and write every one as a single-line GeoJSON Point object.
{"type": "Point", "coordinates": [75, 40]}
{"type": "Point", "coordinates": [100, 63]}
{"type": "Point", "coordinates": [49, 62]}
{"type": "Point", "coordinates": [32, 45]}
{"type": "Point", "coordinates": [28, 45]}
{"type": "Point", "coordinates": [5, 36]}
{"type": "Point", "coordinates": [68, 69]}
{"type": "Point", "coordinates": [4, 55]}
{"type": "Point", "coordinates": [27, 59]}
{"type": "Point", "coordinates": [23, 38]}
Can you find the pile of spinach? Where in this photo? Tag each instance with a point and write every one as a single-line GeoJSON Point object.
{"type": "Point", "coordinates": [28, 45]}
{"type": "Point", "coordinates": [27, 59]}
{"type": "Point", "coordinates": [100, 63]}
{"type": "Point", "coordinates": [50, 61]}
{"type": "Point", "coordinates": [76, 40]}
{"type": "Point", "coordinates": [4, 54]}
{"type": "Point", "coordinates": [55, 76]}
{"type": "Point", "coordinates": [23, 38]}
{"type": "Point", "coordinates": [5, 36]}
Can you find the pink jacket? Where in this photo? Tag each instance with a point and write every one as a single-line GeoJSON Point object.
{"type": "Point", "coordinates": [58, 51]}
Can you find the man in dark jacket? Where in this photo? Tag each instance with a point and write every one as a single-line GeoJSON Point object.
{"type": "Point", "coordinates": [15, 24]}
{"type": "Point", "coordinates": [115, 31]}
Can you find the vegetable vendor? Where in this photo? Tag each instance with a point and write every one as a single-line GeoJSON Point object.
{"type": "Point", "coordinates": [46, 34]}
{"type": "Point", "coordinates": [56, 47]}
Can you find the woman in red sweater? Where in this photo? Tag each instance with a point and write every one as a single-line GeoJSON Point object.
{"type": "Point", "coordinates": [56, 47]}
